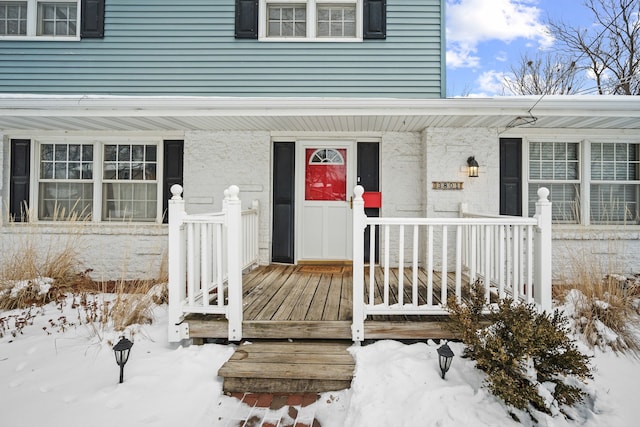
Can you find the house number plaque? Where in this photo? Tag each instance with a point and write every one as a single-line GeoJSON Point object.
{"type": "Point", "coordinates": [447, 185]}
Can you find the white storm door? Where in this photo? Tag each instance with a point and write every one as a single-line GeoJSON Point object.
{"type": "Point", "coordinates": [325, 182]}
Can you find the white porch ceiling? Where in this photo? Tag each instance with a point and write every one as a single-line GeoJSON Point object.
{"type": "Point", "coordinates": [105, 113]}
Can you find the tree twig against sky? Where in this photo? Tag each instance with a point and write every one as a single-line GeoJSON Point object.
{"type": "Point", "coordinates": [544, 74]}
{"type": "Point", "coordinates": [609, 50]}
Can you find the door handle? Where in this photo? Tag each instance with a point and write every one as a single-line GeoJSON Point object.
{"type": "Point", "coordinates": [351, 202]}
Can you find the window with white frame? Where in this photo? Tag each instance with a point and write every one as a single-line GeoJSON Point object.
{"type": "Point", "coordinates": [130, 184]}
{"type": "Point", "coordinates": [555, 165]}
{"type": "Point", "coordinates": [590, 182]}
{"type": "Point", "coordinates": [39, 18]}
{"type": "Point", "coordinates": [98, 181]}
{"type": "Point", "coordinates": [615, 183]}
{"type": "Point", "coordinates": [311, 19]}
{"type": "Point", "coordinates": [66, 181]}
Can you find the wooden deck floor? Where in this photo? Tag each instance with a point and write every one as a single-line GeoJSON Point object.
{"type": "Point", "coordinates": [288, 301]}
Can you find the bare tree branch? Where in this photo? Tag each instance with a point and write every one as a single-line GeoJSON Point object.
{"type": "Point", "coordinates": [609, 50]}
{"type": "Point", "coordinates": [545, 74]}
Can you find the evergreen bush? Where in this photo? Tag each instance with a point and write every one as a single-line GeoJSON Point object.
{"type": "Point", "coordinates": [528, 357]}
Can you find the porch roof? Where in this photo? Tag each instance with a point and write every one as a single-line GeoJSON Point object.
{"type": "Point", "coordinates": [134, 113]}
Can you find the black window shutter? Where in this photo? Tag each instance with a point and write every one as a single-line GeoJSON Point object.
{"type": "Point", "coordinates": [374, 15]}
{"type": "Point", "coordinates": [283, 237]}
{"type": "Point", "coordinates": [246, 19]}
{"type": "Point", "coordinates": [92, 19]}
{"type": "Point", "coordinates": [511, 176]}
{"type": "Point", "coordinates": [173, 172]}
{"type": "Point", "coordinates": [19, 179]}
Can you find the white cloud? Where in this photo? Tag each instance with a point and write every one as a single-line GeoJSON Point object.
{"type": "Point", "coordinates": [471, 22]}
{"type": "Point", "coordinates": [502, 56]}
{"type": "Point", "coordinates": [491, 82]}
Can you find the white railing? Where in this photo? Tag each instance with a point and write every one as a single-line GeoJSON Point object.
{"type": "Point", "coordinates": [512, 255]}
{"type": "Point", "coordinates": [207, 254]}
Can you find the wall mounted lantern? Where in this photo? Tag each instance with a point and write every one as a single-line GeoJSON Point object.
{"type": "Point", "coordinates": [445, 356]}
{"type": "Point", "coordinates": [473, 167]}
{"type": "Point", "coordinates": [121, 351]}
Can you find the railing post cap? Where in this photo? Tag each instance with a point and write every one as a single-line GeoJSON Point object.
{"type": "Point", "coordinates": [543, 194]}
{"type": "Point", "coordinates": [358, 191]}
{"type": "Point", "coordinates": [232, 192]}
{"type": "Point", "coordinates": [176, 191]}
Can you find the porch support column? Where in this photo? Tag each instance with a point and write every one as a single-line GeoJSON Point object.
{"type": "Point", "coordinates": [543, 254]}
{"type": "Point", "coordinates": [359, 225]}
{"type": "Point", "coordinates": [176, 264]}
{"type": "Point", "coordinates": [234, 250]}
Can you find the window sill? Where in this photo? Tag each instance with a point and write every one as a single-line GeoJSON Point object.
{"type": "Point", "coordinates": [41, 38]}
{"type": "Point", "coordinates": [311, 40]}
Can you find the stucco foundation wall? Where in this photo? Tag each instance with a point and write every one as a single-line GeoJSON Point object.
{"type": "Point", "coordinates": [215, 160]}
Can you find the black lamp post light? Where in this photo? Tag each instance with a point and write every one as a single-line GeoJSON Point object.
{"type": "Point", "coordinates": [121, 351]}
{"type": "Point", "coordinates": [445, 356]}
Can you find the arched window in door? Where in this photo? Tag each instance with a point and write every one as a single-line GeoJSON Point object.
{"type": "Point", "coordinates": [326, 174]}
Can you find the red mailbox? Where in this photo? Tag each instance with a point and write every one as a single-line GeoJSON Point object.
{"type": "Point", "coordinates": [372, 199]}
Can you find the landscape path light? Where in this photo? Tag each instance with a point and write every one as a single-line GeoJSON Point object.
{"type": "Point", "coordinates": [121, 351]}
{"type": "Point", "coordinates": [445, 356]}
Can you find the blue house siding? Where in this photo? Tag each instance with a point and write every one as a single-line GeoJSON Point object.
{"type": "Point", "coordinates": [170, 47]}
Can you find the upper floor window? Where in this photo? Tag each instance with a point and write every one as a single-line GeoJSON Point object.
{"type": "Point", "coordinates": [39, 18]}
{"type": "Point", "coordinates": [311, 19]}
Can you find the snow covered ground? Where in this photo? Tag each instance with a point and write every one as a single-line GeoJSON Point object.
{"type": "Point", "coordinates": [50, 377]}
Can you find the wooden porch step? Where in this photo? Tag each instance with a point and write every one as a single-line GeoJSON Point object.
{"type": "Point", "coordinates": [288, 367]}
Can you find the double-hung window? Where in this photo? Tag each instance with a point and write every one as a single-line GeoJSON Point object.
{"type": "Point", "coordinates": [615, 183]}
{"type": "Point", "coordinates": [39, 18]}
{"type": "Point", "coordinates": [555, 165]}
{"type": "Point", "coordinates": [66, 181]}
{"type": "Point", "coordinates": [590, 182]}
{"type": "Point", "coordinates": [311, 20]}
{"type": "Point", "coordinates": [130, 185]}
{"type": "Point", "coordinates": [99, 181]}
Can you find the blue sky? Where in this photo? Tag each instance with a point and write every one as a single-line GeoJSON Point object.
{"type": "Point", "coordinates": [486, 37]}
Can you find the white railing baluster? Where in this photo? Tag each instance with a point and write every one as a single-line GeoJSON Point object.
{"type": "Point", "coordinates": [414, 262]}
{"type": "Point", "coordinates": [516, 262]}
{"type": "Point", "coordinates": [191, 264]}
{"type": "Point", "coordinates": [204, 264]}
{"type": "Point", "coordinates": [401, 265]}
{"type": "Point", "coordinates": [219, 270]}
{"type": "Point", "coordinates": [443, 285]}
{"type": "Point", "coordinates": [430, 265]}
{"type": "Point", "coordinates": [501, 261]}
{"type": "Point", "coordinates": [473, 271]}
{"type": "Point", "coordinates": [386, 265]}
{"type": "Point", "coordinates": [529, 281]}
{"type": "Point", "coordinates": [487, 264]}
{"type": "Point", "coordinates": [459, 264]}
{"type": "Point", "coordinates": [372, 262]}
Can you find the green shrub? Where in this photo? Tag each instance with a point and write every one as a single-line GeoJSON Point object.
{"type": "Point", "coordinates": [526, 355]}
